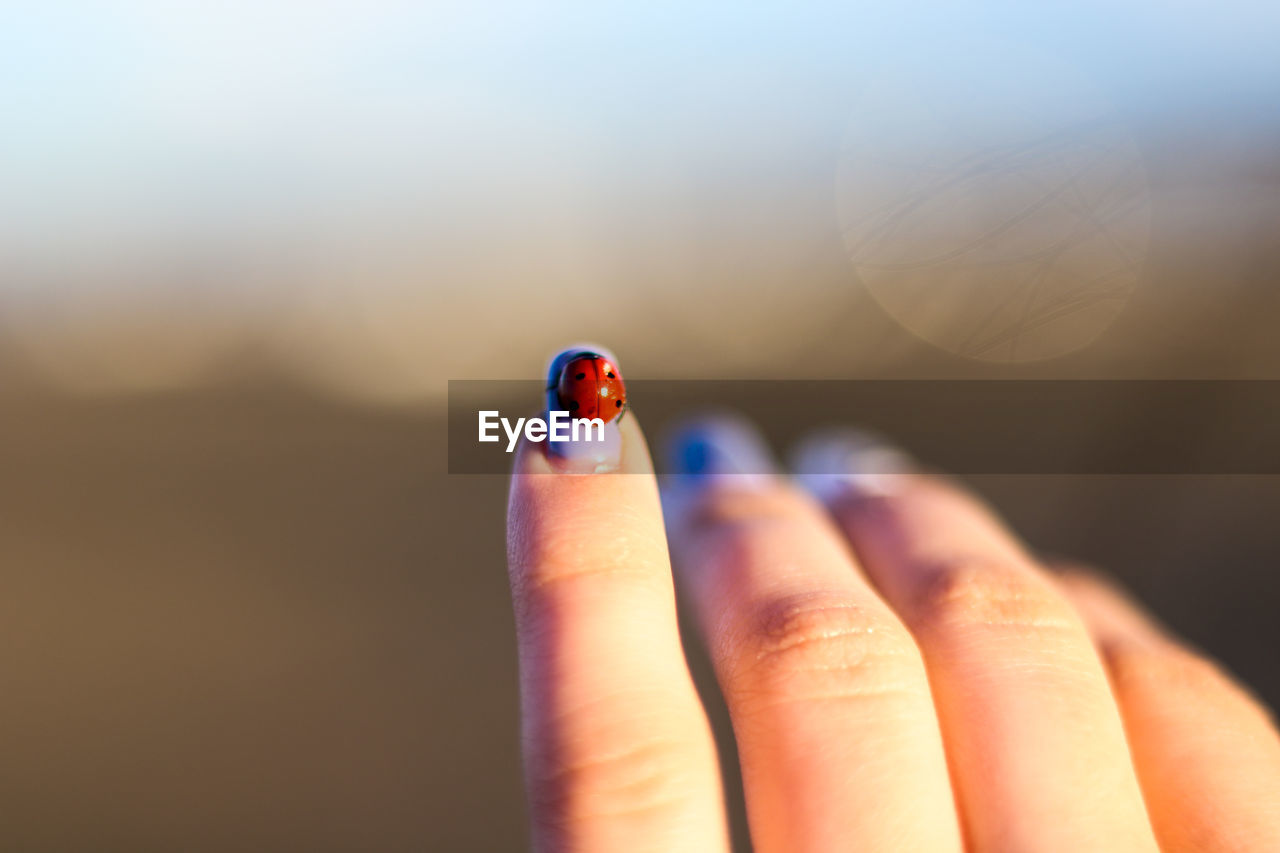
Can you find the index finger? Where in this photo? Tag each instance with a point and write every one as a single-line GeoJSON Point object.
{"type": "Point", "coordinates": [618, 752]}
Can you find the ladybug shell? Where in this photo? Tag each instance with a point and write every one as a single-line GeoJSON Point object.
{"type": "Point", "coordinates": [591, 387]}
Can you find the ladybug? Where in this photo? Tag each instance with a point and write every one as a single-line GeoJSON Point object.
{"type": "Point", "coordinates": [590, 386]}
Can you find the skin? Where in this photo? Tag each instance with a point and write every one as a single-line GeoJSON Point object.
{"type": "Point", "coordinates": [900, 672]}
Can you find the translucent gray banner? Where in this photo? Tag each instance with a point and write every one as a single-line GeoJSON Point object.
{"type": "Point", "coordinates": [1211, 427]}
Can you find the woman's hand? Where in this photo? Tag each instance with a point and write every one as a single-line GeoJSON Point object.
{"type": "Point", "coordinates": [900, 672]}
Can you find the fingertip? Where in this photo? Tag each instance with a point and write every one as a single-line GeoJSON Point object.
{"type": "Point", "coordinates": [849, 463]}
{"type": "Point", "coordinates": [711, 451]}
{"type": "Point", "coordinates": [594, 403]}
{"type": "Point", "coordinates": [717, 444]}
{"type": "Point", "coordinates": [635, 458]}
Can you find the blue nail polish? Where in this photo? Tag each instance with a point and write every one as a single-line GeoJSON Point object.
{"type": "Point", "coordinates": [717, 447]}
{"type": "Point", "coordinates": [720, 451]}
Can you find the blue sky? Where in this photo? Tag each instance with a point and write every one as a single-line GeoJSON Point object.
{"type": "Point", "coordinates": [154, 121]}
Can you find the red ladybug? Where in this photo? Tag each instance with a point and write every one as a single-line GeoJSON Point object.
{"type": "Point", "coordinates": [591, 387]}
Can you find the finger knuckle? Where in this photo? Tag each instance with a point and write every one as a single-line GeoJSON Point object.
{"type": "Point", "coordinates": [982, 593]}
{"type": "Point", "coordinates": [825, 645]}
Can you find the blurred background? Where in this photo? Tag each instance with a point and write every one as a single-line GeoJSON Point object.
{"type": "Point", "coordinates": [243, 247]}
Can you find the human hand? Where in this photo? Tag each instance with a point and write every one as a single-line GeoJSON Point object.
{"type": "Point", "coordinates": [901, 673]}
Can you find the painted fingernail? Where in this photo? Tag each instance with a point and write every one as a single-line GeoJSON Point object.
{"type": "Point", "coordinates": [719, 448]}
{"type": "Point", "coordinates": [721, 451]}
{"type": "Point", "coordinates": [849, 463]}
{"type": "Point", "coordinates": [584, 382]}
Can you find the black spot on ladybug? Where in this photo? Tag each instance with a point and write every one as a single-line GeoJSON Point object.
{"type": "Point", "coordinates": [581, 376]}
{"type": "Point", "coordinates": [573, 405]}
{"type": "Point", "coordinates": [609, 374]}
{"type": "Point", "coordinates": [618, 403]}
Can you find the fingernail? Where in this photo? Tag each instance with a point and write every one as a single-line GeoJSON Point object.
{"type": "Point", "coordinates": [718, 448]}
{"type": "Point", "coordinates": [849, 463]}
{"type": "Point", "coordinates": [721, 451]}
{"type": "Point", "coordinates": [594, 389]}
